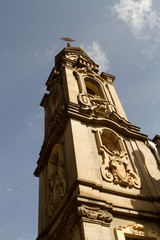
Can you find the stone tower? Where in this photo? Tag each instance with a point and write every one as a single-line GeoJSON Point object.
{"type": "Point", "coordinates": [98, 175]}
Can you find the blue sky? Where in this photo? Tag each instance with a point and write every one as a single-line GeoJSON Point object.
{"type": "Point", "coordinates": [122, 36]}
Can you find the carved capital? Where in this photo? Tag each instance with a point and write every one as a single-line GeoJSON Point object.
{"type": "Point", "coordinates": [93, 213]}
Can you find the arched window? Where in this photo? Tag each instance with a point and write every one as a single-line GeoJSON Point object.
{"type": "Point", "coordinates": [111, 141]}
{"type": "Point", "coordinates": [53, 162]}
{"type": "Point", "coordinates": [93, 87]}
{"type": "Point", "coordinates": [109, 144]}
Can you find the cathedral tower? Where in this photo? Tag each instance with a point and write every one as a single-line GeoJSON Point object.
{"type": "Point", "coordinates": [98, 174]}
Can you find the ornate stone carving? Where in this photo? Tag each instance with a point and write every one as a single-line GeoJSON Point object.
{"type": "Point", "coordinates": [100, 106]}
{"type": "Point", "coordinates": [57, 183]}
{"type": "Point", "coordinates": [118, 171]}
{"type": "Point", "coordinates": [139, 229]}
{"type": "Point", "coordinates": [72, 56]}
{"type": "Point", "coordinates": [135, 230]}
{"type": "Point", "coordinates": [57, 120]}
{"type": "Point", "coordinates": [85, 70]}
{"type": "Point", "coordinates": [92, 104]}
{"type": "Point", "coordinates": [115, 167]}
{"type": "Point", "coordinates": [94, 213]}
{"type": "Point", "coordinates": [156, 140]}
{"type": "Point", "coordinates": [95, 105]}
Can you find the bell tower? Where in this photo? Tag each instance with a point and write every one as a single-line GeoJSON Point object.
{"type": "Point", "coordinates": [98, 175]}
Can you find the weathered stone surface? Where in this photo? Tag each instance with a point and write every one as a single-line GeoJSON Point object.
{"type": "Point", "coordinates": [98, 177]}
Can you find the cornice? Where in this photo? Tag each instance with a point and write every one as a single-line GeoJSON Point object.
{"type": "Point", "coordinates": [76, 209]}
{"type": "Point", "coordinates": [114, 122]}
{"type": "Point", "coordinates": [72, 111]}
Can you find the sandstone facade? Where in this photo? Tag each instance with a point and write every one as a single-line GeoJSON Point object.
{"type": "Point", "coordinates": [99, 176]}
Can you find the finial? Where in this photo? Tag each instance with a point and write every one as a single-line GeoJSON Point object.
{"type": "Point", "coordinates": [68, 40]}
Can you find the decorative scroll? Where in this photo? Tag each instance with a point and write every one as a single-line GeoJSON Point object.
{"type": "Point", "coordinates": [71, 56]}
{"type": "Point", "coordinates": [115, 167]}
{"type": "Point", "coordinates": [92, 104]}
{"type": "Point", "coordinates": [94, 213]}
{"type": "Point", "coordinates": [95, 105]}
{"type": "Point", "coordinates": [57, 184]}
{"type": "Point", "coordinates": [118, 171]}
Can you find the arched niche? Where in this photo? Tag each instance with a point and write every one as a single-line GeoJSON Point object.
{"type": "Point", "coordinates": [53, 161]}
{"type": "Point", "coordinates": [94, 87]}
{"type": "Point", "coordinates": [110, 141]}
{"type": "Point", "coordinates": [115, 167]}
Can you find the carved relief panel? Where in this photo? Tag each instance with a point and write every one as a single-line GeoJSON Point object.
{"type": "Point", "coordinates": [135, 231]}
{"type": "Point", "coordinates": [92, 97]}
{"type": "Point", "coordinates": [56, 176]}
{"type": "Point", "coordinates": [115, 167]}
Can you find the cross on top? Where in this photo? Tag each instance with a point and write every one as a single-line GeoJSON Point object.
{"type": "Point", "coordinates": [68, 40]}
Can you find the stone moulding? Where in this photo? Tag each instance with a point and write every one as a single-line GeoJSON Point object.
{"type": "Point", "coordinates": [135, 231]}
{"type": "Point", "coordinates": [94, 214]}
{"type": "Point", "coordinates": [80, 211]}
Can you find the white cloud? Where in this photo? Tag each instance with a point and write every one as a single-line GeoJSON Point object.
{"type": "Point", "coordinates": [154, 43]}
{"type": "Point", "coordinates": [143, 20]}
{"type": "Point", "coordinates": [137, 14]}
{"type": "Point", "coordinates": [95, 52]}
{"type": "Point", "coordinates": [9, 189]}
{"type": "Point", "coordinates": [3, 190]}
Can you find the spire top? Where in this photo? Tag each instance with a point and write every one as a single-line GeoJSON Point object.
{"type": "Point", "coordinates": [68, 40]}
